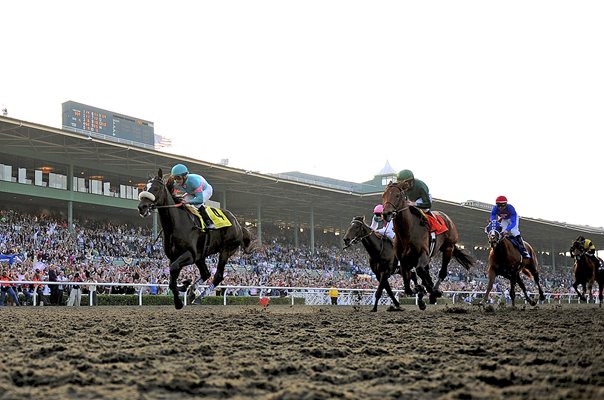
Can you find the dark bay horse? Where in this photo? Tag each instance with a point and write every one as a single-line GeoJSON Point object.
{"type": "Point", "coordinates": [184, 243]}
{"type": "Point", "coordinates": [413, 241]}
{"type": "Point", "coordinates": [382, 259]}
{"type": "Point", "coordinates": [506, 260]}
{"type": "Point", "coordinates": [586, 272]}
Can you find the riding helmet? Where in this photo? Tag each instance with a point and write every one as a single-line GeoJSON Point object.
{"type": "Point", "coordinates": [378, 209]}
{"type": "Point", "coordinates": [501, 199]}
{"type": "Point", "coordinates": [405, 175]}
{"type": "Point", "coordinates": [179, 170]}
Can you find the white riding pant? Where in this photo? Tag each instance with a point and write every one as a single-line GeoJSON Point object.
{"type": "Point", "coordinates": [507, 222]}
{"type": "Point", "coordinates": [419, 201]}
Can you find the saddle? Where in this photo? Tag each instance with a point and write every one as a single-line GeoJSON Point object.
{"type": "Point", "coordinates": [436, 223]}
{"type": "Point", "coordinates": [216, 215]}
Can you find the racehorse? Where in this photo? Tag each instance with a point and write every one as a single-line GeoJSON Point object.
{"type": "Point", "coordinates": [185, 243]}
{"type": "Point", "coordinates": [586, 271]}
{"type": "Point", "coordinates": [506, 260]}
{"type": "Point", "coordinates": [382, 259]}
{"type": "Point", "coordinates": [412, 243]}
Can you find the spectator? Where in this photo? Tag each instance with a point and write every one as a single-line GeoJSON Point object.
{"type": "Point", "coordinates": [54, 289]}
{"type": "Point", "coordinates": [333, 295]}
{"type": "Point", "coordinates": [7, 289]}
{"type": "Point", "coordinates": [75, 294]}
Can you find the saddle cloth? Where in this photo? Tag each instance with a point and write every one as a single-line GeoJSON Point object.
{"type": "Point", "coordinates": [437, 223]}
{"type": "Point", "coordinates": [216, 215]}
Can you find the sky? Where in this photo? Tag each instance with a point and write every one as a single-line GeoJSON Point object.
{"type": "Point", "coordinates": [477, 98]}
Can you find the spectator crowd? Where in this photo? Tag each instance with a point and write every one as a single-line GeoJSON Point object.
{"type": "Point", "coordinates": [40, 247]}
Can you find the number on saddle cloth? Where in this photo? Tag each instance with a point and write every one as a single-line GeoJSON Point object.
{"type": "Point", "coordinates": [217, 216]}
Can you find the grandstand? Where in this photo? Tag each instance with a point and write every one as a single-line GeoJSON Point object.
{"type": "Point", "coordinates": [81, 175]}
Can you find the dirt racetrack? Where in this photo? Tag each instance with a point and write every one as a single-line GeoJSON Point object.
{"type": "Point", "coordinates": [320, 352]}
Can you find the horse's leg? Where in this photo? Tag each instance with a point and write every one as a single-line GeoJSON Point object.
{"type": "Point", "coordinates": [447, 253]}
{"type": "Point", "coordinates": [421, 291]}
{"type": "Point", "coordinates": [423, 271]}
{"type": "Point", "coordinates": [535, 274]}
{"type": "Point", "coordinates": [223, 257]}
{"type": "Point", "coordinates": [513, 288]}
{"type": "Point", "coordinates": [204, 274]}
{"type": "Point", "coordinates": [409, 276]}
{"type": "Point", "coordinates": [491, 275]}
{"type": "Point", "coordinates": [184, 259]}
{"type": "Point", "coordinates": [523, 288]}
{"type": "Point", "coordinates": [395, 302]}
{"type": "Point", "coordinates": [378, 293]}
{"type": "Point", "coordinates": [576, 286]}
{"type": "Point", "coordinates": [600, 284]}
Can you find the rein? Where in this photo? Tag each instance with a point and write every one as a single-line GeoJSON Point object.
{"type": "Point", "coordinates": [146, 194]}
{"type": "Point", "coordinates": [170, 205]}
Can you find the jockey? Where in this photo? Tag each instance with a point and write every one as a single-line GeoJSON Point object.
{"type": "Point", "coordinates": [417, 191]}
{"type": "Point", "coordinates": [379, 225]}
{"type": "Point", "coordinates": [590, 248]}
{"type": "Point", "coordinates": [197, 191]}
{"type": "Point", "coordinates": [419, 196]}
{"type": "Point", "coordinates": [509, 219]}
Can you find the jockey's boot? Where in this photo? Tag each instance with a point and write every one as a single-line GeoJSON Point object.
{"type": "Point", "coordinates": [525, 254]}
{"type": "Point", "coordinates": [207, 221]}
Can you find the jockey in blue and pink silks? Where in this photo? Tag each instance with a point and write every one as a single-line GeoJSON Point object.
{"type": "Point", "coordinates": [197, 191]}
{"type": "Point", "coordinates": [509, 219]}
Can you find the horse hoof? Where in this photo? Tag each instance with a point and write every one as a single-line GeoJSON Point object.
{"type": "Point", "coordinates": [533, 303]}
{"type": "Point", "coordinates": [432, 298]}
{"type": "Point", "coordinates": [179, 305]}
{"type": "Point", "coordinates": [422, 305]}
{"type": "Point", "coordinates": [374, 310]}
{"type": "Point", "coordinates": [393, 308]}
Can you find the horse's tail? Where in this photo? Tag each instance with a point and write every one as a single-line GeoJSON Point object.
{"type": "Point", "coordinates": [248, 243]}
{"type": "Point", "coordinates": [463, 257]}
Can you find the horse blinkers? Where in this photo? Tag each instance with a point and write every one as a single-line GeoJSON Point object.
{"type": "Point", "coordinates": [146, 201]}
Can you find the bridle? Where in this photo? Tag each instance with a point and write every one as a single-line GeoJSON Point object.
{"type": "Point", "coordinates": [358, 238]}
{"type": "Point", "coordinates": [577, 250]}
{"type": "Point", "coordinates": [494, 235]}
{"type": "Point", "coordinates": [402, 198]}
{"type": "Point", "coordinates": [145, 194]}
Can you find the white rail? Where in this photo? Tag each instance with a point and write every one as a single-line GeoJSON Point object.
{"type": "Point", "coordinates": [311, 296]}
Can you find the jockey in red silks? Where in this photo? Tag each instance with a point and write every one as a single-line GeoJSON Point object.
{"type": "Point", "coordinates": [506, 214]}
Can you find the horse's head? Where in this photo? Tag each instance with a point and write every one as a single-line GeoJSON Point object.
{"type": "Point", "coordinates": [394, 199]}
{"type": "Point", "coordinates": [356, 231]}
{"type": "Point", "coordinates": [154, 194]}
{"type": "Point", "coordinates": [493, 231]}
{"type": "Point", "coordinates": [577, 249]}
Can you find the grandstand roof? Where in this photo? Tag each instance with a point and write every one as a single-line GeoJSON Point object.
{"type": "Point", "coordinates": [285, 199]}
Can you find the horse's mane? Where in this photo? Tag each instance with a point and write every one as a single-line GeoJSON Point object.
{"type": "Point", "coordinates": [417, 212]}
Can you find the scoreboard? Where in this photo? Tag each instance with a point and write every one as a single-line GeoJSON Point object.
{"type": "Point", "coordinates": [106, 124]}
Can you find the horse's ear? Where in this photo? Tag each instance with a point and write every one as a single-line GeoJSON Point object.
{"type": "Point", "coordinates": [160, 174]}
